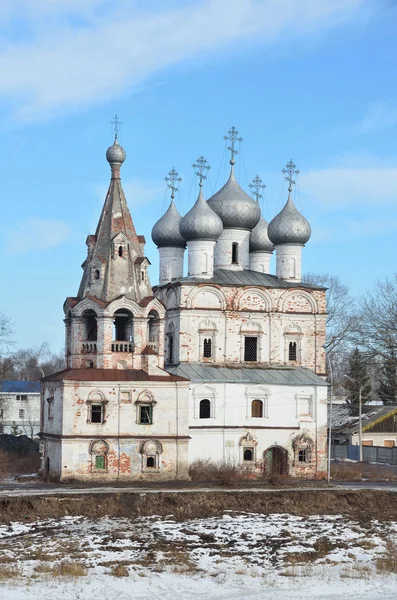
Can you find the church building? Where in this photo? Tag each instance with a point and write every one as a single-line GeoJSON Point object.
{"type": "Point", "coordinates": [224, 364]}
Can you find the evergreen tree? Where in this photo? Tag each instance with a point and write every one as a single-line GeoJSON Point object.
{"type": "Point", "coordinates": [387, 389]}
{"type": "Point", "coordinates": [357, 370]}
{"type": "Point", "coordinates": [15, 429]}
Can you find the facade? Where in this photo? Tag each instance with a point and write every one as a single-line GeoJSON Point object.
{"type": "Point", "coordinates": [20, 407]}
{"type": "Point", "coordinates": [225, 363]}
{"type": "Point", "coordinates": [379, 425]}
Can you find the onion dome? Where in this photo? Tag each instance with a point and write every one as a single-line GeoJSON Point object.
{"type": "Point", "coordinates": [166, 231]}
{"type": "Point", "coordinates": [234, 206]}
{"type": "Point", "coordinates": [289, 226]}
{"type": "Point", "coordinates": [201, 222]}
{"type": "Point", "coordinates": [259, 240]}
{"type": "Point", "coordinates": [115, 154]}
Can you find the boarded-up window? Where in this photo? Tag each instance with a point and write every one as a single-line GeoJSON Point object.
{"type": "Point", "coordinates": [99, 462]}
{"type": "Point", "coordinates": [368, 442]}
{"type": "Point", "coordinates": [257, 408]}
{"type": "Point", "coordinates": [389, 443]}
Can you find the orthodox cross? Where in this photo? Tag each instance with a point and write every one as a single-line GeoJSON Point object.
{"type": "Point", "coordinates": [173, 180]}
{"type": "Point", "coordinates": [232, 136]}
{"type": "Point", "coordinates": [291, 170]}
{"type": "Point", "coordinates": [116, 124]}
{"type": "Point", "coordinates": [256, 185]}
{"type": "Point", "coordinates": [201, 165]}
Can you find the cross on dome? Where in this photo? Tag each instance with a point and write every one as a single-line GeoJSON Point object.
{"type": "Point", "coordinates": [116, 124]}
{"type": "Point", "coordinates": [291, 170]}
{"type": "Point", "coordinates": [201, 165]}
{"type": "Point", "coordinates": [173, 180]}
{"type": "Point", "coordinates": [256, 185]}
{"type": "Point", "coordinates": [232, 135]}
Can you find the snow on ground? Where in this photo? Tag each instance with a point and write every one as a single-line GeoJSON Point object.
{"type": "Point", "coordinates": [274, 557]}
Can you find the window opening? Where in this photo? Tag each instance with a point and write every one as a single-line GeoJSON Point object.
{"type": "Point", "coordinates": [100, 463]}
{"type": "Point", "coordinates": [150, 462]}
{"type": "Point", "coordinates": [120, 250]}
{"type": "Point", "coordinates": [235, 253]}
{"type": "Point", "coordinates": [123, 326]}
{"type": "Point", "coordinates": [21, 413]}
{"type": "Point", "coordinates": [292, 351]}
{"type": "Point", "coordinates": [257, 408]}
{"type": "Point", "coordinates": [96, 413]}
{"type": "Point", "coordinates": [91, 329]}
{"type": "Point", "coordinates": [145, 414]}
{"type": "Point", "coordinates": [205, 409]}
{"type": "Point", "coordinates": [304, 455]}
{"type": "Point", "coordinates": [97, 274]}
{"type": "Point", "coordinates": [143, 275]}
{"type": "Point", "coordinates": [22, 397]}
{"type": "Point", "coordinates": [248, 454]}
{"type": "Point", "coordinates": [251, 349]}
{"type": "Point", "coordinates": [171, 349]}
{"type": "Point", "coordinates": [207, 349]}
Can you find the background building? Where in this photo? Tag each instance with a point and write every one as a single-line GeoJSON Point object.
{"type": "Point", "coordinates": [20, 407]}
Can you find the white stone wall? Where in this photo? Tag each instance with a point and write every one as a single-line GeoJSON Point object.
{"type": "Point", "coordinates": [260, 261]}
{"type": "Point", "coordinates": [223, 249]}
{"type": "Point", "coordinates": [171, 264]}
{"type": "Point", "coordinates": [286, 416]}
{"type": "Point", "coordinates": [289, 262]}
{"type": "Point", "coordinates": [200, 258]}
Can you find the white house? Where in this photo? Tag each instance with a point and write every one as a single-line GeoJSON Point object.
{"type": "Point", "coordinates": [20, 407]}
{"type": "Point", "coordinates": [225, 363]}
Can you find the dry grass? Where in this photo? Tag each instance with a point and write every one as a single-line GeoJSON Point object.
{"type": "Point", "coordinates": [69, 569]}
{"type": "Point", "coordinates": [9, 573]}
{"type": "Point", "coordinates": [388, 562]}
{"type": "Point", "coordinates": [43, 568]}
{"type": "Point", "coordinates": [350, 471]}
{"type": "Point", "coordinates": [119, 570]}
{"type": "Point", "coordinates": [220, 473]}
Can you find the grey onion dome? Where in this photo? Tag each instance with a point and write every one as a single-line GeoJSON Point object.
{"type": "Point", "coordinates": [201, 222]}
{"type": "Point", "coordinates": [259, 240]}
{"type": "Point", "coordinates": [289, 226]}
{"type": "Point", "coordinates": [234, 206]}
{"type": "Point", "coordinates": [115, 154]}
{"type": "Point", "coordinates": [166, 231]}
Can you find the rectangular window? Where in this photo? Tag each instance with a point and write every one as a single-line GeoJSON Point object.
{"type": "Point", "coordinates": [100, 463]}
{"type": "Point", "coordinates": [292, 351]}
{"type": "Point", "coordinates": [207, 348]}
{"type": "Point", "coordinates": [22, 398]}
{"type": "Point", "coordinates": [21, 413]}
{"type": "Point", "coordinates": [96, 413]}
{"type": "Point", "coordinates": [368, 442]}
{"type": "Point", "coordinates": [389, 444]}
{"type": "Point", "coordinates": [235, 253]}
{"type": "Point", "coordinates": [304, 455]}
{"type": "Point", "coordinates": [250, 349]}
{"type": "Point", "coordinates": [145, 414]}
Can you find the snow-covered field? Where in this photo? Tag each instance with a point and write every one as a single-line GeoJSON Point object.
{"type": "Point", "coordinates": [277, 556]}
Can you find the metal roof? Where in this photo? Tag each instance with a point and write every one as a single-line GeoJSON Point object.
{"type": "Point", "coordinates": [246, 277]}
{"type": "Point", "coordinates": [244, 374]}
{"type": "Point", "coordinates": [345, 416]}
{"type": "Point", "coordinates": [11, 386]}
{"type": "Point", "coordinates": [109, 375]}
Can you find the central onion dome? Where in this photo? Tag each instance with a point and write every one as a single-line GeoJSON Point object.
{"type": "Point", "coordinates": [234, 206]}
{"type": "Point", "coordinates": [165, 232]}
{"type": "Point", "coordinates": [115, 154]}
{"type": "Point", "coordinates": [289, 226]}
{"type": "Point", "coordinates": [259, 240]}
{"type": "Point", "coordinates": [201, 222]}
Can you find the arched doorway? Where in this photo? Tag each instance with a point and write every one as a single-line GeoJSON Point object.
{"type": "Point", "coordinates": [276, 461]}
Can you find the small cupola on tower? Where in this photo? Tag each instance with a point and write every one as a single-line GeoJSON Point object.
{"type": "Point", "coordinates": [239, 214]}
{"type": "Point", "coordinates": [200, 227]}
{"type": "Point", "coordinates": [289, 231]}
{"type": "Point", "coordinates": [167, 237]}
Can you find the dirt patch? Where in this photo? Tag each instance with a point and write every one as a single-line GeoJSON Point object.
{"type": "Point", "coordinates": [361, 505]}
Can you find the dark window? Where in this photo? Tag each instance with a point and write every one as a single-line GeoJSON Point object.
{"type": "Point", "coordinates": [248, 454]}
{"type": "Point", "coordinates": [146, 414]}
{"type": "Point", "coordinates": [120, 250]}
{"type": "Point", "coordinates": [96, 413]}
{"type": "Point", "coordinates": [304, 455]}
{"type": "Point", "coordinates": [292, 351]}
{"type": "Point", "coordinates": [22, 398]}
{"type": "Point", "coordinates": [150, 462]}
{"type": "Point", "coordinates": [123, 326]}
{"type": "Point", "coordinates": [250, 349]}
{"type": "Point", "coordinates": [143, 275]}
{"type": "Point", "coordinates": [170, 348]}
{"type": "Point", "coordinates": [235, 253]}
{"type": "Point", "coordinates": [21, 413]}
{"type": "Point", "coordinates": [257, 408]}
{"type": "Point", "coordinates": [205, 409]}
{"type": "Point", "coordinates": [207, 350]}
{"type": "Point", "coordinates": [91, 329]}
{"type": "Point", "coordinates": [97, 274]}
{"type": "Point", "coordinates": [100, 462]}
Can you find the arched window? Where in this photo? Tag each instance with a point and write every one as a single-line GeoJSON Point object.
{"type": "Point", "coordinates": [207, 348]}
{"type": "Point", "coordinates": [123, 325]}
{"type": "Point", "coordinates": [153, 329]}
{"type": "Point", "coordinates": [292, 351]}
{"type": "Point", "coordinates": [151, 451]}
{"type": "Point", "coordinates": [235, 253]}
{"type": "Point", "coordinates": [99, 452]}
{"type": "Point", "coordinates": [248, 454]}
{"type": "Point", "coordinates": [257, 408]}
{"type": "Point", "coordinates": [170, 344]}
{"type": "Point", "coordinates": [97, 274]}
{"type": "Point", "coordinates": [150, 462]}
{"type": "Point", "coordinates": [205, 409]}
{"type": "Point", "coordinates": [90, 325]}
{"type": "Point", "coordinates": [120, 250]}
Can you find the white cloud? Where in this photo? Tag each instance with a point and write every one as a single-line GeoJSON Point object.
{"type": "Point", "coordinates": [111, 48]}
{"type": "Point", "coordinates": [379, 116]}
{"type": "Point", "coordinates": [36, 234]}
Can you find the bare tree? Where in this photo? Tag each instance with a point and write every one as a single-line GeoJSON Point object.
{"type": "Point", "coordinates": [6, 343]}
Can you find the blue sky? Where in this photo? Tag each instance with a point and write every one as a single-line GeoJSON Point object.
{"type": "Point", "coordinates": [312, 80]}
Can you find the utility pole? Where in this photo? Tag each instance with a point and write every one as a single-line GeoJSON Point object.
{"type": "Point", "coordinates": [329, 414]}
{"type": "Point", "coordinates": [360, 420]}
